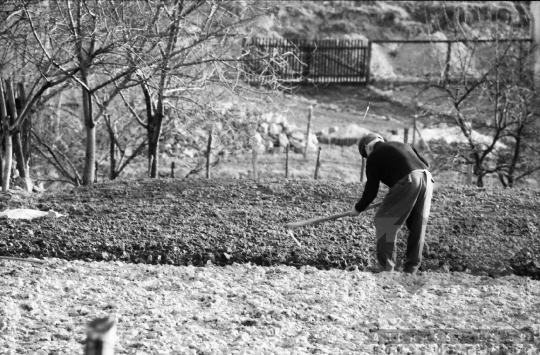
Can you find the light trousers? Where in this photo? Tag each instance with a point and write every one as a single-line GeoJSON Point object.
{"type": "Point", "coordinates": [407, 202]}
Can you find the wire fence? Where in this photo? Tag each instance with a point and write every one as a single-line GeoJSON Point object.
{"type": "Point", "coordinates": [358, 61]}
{"type": "Point", "coordinates": [443, 60]}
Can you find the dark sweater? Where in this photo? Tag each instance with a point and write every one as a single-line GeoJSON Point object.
{"type": "Point", "coordinates": [388, 163]}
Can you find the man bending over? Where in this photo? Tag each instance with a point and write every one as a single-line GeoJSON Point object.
{"type": "Point", "coordinates": [405, 172]}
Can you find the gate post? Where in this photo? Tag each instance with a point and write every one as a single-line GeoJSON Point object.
{"type": "Point", "coordinates": [307, 48]}
{"type": "Point", "coordinates": [367, 63]}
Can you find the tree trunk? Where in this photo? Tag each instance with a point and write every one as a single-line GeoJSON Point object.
{"type": "Point", "coordinates": [14, 107]}
{"type": "Point", "coordinates": [19, 155]}
{"type": "Point", "coordinates": [8, 149]}
{"type": "Point", "coordinates": [154, 134]}
{"type": "Point", "coordinates": [90, 158]}
{"type": "Point", "coordinates": [515, 157]}
{"type": "Point", "coordinates": [112, 150]}
{"type": "Point", "coordinates": [26, 132]}
{"type": "Point", "coordinates": [535, 35]}
{"type": "Point", "coordinates": [480, 181]}
{"type": "Point", "coordinates": [510, 181]}
{"type": "Point", "coordinates": [501, 179]}
{"type": "Point", "coordinates": [1, 156]}
{"type": "Point", "coordinates": [6, 168]}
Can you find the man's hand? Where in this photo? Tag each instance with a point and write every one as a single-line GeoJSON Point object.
{"type": "Point", "coordinates": [354, 212]}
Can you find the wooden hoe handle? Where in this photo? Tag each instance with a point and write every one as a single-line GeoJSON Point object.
{"type": "Point", "coordinates": [324, 219]}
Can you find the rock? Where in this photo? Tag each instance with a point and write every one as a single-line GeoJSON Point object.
{"type": "Point", "coordinates": [326, 132]}
{"type": "Point", "coordinates": [283, 140]}
{"type": "Point", "coordinates": [297, 146]}
{"type": "Point", "coordinates": [290, 128]}
{"type": "Point", "coordinates": [270, 143]}
{"type": "Point", "coordinates": [263, 128]}
{"type": "Point", "coordinates": [39, 188]}
{"type": "Point", "coordinates": [297, 135]}
{"type": "Point", "coordinates": [313, 142]}
{"type": "Point", "coordinates": [279, 119]}
{"type": "Point", "coordinates": [347, 136]}
{"type": "Point", "coordinates": [225, 106]}
{"type": "Point", "coordinates": [190, 153]}
{"type": "Point", "coordinates": [275, 129]}
{"type": "Point", "coordinates": [267, 117]}
{"type": "Point", "coordinates": [380, 65]}
{"type": "Point", "coordinates": [526, 262]}
{"type": "Point", "coordinates": [257, 139]}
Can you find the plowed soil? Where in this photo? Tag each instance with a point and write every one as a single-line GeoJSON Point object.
{"type": "Point", "coordinates": [196, 222]}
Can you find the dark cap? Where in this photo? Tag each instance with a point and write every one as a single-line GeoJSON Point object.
{"type": "Point", "coordinates": [368, 138]}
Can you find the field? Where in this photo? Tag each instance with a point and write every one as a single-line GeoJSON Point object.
{"type": "Point", "coordinates": [249, 309]}
{"type": "Point", "coordinates": [206, 267]}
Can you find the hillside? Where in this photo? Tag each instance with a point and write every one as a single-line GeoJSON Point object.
{"type": "Point", "coordinates": [176, 222]}
{"type": "Point", "coordinates": [401, 20]}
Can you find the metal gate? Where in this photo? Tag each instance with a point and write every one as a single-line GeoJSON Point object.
{"type": "Point", "coordinates": [304, 61]}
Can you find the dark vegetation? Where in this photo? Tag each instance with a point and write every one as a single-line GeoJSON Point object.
{"type": "Point", "coordinates": [476, 230]}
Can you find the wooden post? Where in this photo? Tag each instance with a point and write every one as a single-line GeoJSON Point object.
{"type": "Point", "coordinates": [362, 169]}
{"type": "Point", "coordinates": [255, 162]}
{"type": "Point", "coordinates": [310, 115]}
{"type": "Point", "coordinates": [405, 135]}
{"type": "Point", "coordinates": [447, 66]}
{"type": "Point", "coordinates": [287, 160]}
{"type": "Point", "coordinates": [318, 164]}
{"type": "Point", "coordinates": [414, 131]}
{"type": "Point", "coordinates": [173, 165]}
{"type": "Point", "coordinates": [367, 63]}
{"type": "Point", "coordinates": [100, 337]}
{"type": "Point", "coordinates": [208, 154]}
{"type": "Point", "coordinates": [469, 174]}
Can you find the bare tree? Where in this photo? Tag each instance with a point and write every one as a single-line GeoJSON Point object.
{"type": "Point", "coordinates": [198, 48]}
{"type": "Point", "coordinates": [174, 51]}
{"type": "Point", "coordinates": [492, 101]}
{"type": "Point", "coordinates": [82, 42]}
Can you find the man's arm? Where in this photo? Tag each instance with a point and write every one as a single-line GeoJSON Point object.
{"type": "Point", "coordinates": [370, 192]}
{"type": "Point", "coordinates": [420, 157]}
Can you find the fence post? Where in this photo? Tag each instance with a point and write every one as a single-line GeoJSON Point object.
{"type": "Point", "coordinates": [405, 135]}
{"type": "Point", "coordinates": [362, 169]}
{"type": "Point", "coordinates": [255, 162]}
{"type": "Point", "coordinates": [208, 153]}
{"type": "Point", "coordinates": [414, 131]}
{"type": "Point", "coordinates": [308, 50]}
{"type": "Point", "coordinates": [469, 174]}
{"type": "Point", "coordinates": [367, 63]}
{"type": "Point", "coordinates": [310, 115]}
{"type": "Point", "coordinates": [447, 67]}
{"type": "Point", "coordinates": [173, 166]}
{"type": "Point", "coordinates": [100, 337]}
{"type": "Point", "coordinates": [287, 160]}
{"type": "Point", "coordinates": [318, 164]}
